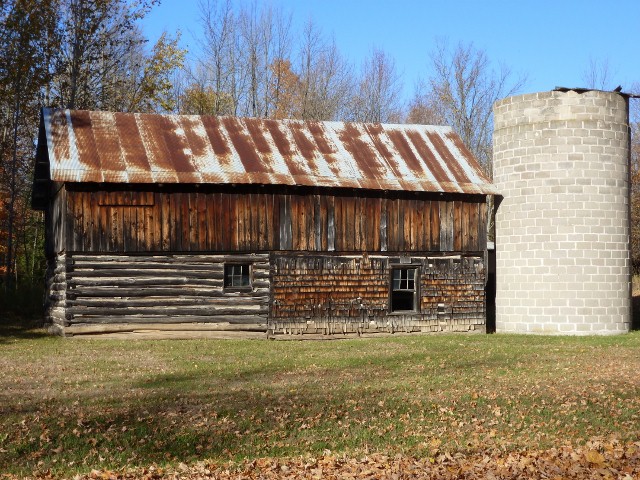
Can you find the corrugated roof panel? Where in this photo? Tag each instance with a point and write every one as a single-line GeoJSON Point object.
{"type": "Point", "coordinates": [466, 159]}
{"type": "Point", "coordinates": [448, 160]}
{"type": "Point", "coordinates": [132, 149]}
{"type": "Point", "coordinates": [414, 147]}
{"type": "Point", "coordinates": [197, 148]}
{"type": "Point", "coordinates": [325, 135]}
{"type": "Point", "coordinates": [303, 160]}
{"type": "Point", "coordinates": [63, 142]}
{"type": "Point", "coordinates": [106, 140]}
{"type": "Point", "coordinates": [409, 158]}
{"type": "Point", "coordinates": [140, 148]}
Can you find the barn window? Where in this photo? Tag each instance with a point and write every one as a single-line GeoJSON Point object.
{"type": "Point", "coordinates": [237, 275]}
{"type": "Point", "coordinates": [404, 292]}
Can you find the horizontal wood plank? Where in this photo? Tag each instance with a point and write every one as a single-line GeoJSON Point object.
{"type": "Point", "coordinates": [84, 329]}
{"type": "Point", "coordinates": [175, 320]}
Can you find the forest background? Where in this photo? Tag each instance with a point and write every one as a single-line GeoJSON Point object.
{"type": "Point", "coordinates": [251, 60]}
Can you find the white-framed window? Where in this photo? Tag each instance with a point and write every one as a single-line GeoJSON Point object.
{"type": "Point", "coordinates": [404, 289]}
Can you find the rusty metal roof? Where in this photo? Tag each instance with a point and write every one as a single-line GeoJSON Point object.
{"type": "Point", "coordinates": [84, 146]}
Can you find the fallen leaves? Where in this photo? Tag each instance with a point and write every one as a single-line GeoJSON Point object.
{"type": "Point", "coordinates": [596, 459]}
{"type": "Point", "coordinates": [466, 407]}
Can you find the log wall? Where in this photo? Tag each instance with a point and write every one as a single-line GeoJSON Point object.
{"type": "Point", "coordinates": [256, 219]}
{"type": "Point", "coordinates": [330, 294]}
{"type": "Point", "coordinates": [55, 293]}
{"type": "Point", "coordinates": [161, 289]}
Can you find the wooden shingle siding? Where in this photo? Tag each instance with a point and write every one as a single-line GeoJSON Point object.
{"type": "Point", "coordinates": [452, 288]}
{"type": "Point", "coordinates": [350, 294]}
{"type": "Point", "coordinates": [253, 220]}
{"type": "Point", "coordinates": [162, 289]}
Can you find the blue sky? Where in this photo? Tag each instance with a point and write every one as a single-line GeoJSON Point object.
{"type": "Point", "coordinates": [550, 42]}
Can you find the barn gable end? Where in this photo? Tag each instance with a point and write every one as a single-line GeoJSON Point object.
{"type": "Point", "coordinates": [202, 223]}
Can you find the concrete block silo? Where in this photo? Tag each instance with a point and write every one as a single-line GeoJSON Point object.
{"type": "Point", "coordinates": [561, 162]}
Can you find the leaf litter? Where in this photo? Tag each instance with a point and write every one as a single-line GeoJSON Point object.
{"type": "Point", "coordinates": [446, 407]}
{"type": "Point", "coordinates": [598, 459]}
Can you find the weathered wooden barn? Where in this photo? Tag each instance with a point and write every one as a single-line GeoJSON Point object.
{"type": "Point", "coordinates": [166, 222]}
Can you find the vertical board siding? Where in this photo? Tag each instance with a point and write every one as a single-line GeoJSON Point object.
{"type": "Point", "coordinates": [200, 221]}
{"type": "Point", "coordinates": [55, 224]}
{"type": "Point", "coordinates": [347, 294]}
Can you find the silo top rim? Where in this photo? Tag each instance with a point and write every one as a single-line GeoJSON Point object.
{"type": "Point", "coordinates": [617, 90]}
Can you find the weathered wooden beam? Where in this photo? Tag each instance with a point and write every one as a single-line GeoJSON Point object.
{"type": "Point", "coordinates": [217, 274]}
{"type": "Point", "coordinates": [80, 329]}
{"type": "Point", "coordinates": [171, 258]}
{"type": "Point", "coordinates": [130, 302]}
{"type": "Point", "coordinates": [178, 311]}
{"type": "Point", "coordinates": [178, 319]}
{"type": "Point", "coordinates": [118, 292]}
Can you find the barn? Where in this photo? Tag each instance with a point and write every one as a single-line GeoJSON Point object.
{"type": "Point", "coordinates": [265, 227]}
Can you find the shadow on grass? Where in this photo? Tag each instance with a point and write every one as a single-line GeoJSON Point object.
{"type": "Point", "coordinates": [189, 419]}
{"type": "Point", "coordinates": [346, 400]}
{"type": "Point", "coordinates": [21, 312]}
{"type": "Point", "coordinates": [14, 328]}
{"type": "Point", "coordinates": [185, 418]}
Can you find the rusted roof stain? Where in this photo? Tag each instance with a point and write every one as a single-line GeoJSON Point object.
{"type": "Point", "coordinates": [110, 147]}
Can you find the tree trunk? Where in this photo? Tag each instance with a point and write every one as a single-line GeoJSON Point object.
{"type": "Point", "coordinates": [10, 263]}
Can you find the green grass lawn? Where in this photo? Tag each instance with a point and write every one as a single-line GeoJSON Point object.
{"type": "Point", "coordinates": [69, 406]}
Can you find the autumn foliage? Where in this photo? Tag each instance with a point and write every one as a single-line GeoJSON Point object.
{"type": "Point", "coordinates": [71, 54]}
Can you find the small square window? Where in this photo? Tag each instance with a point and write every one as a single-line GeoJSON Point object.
{"type": "Point", "coordinates": [237, 275]}
{"type": "Point", "coordinates": [403, 290]}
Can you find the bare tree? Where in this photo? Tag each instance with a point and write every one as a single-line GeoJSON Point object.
{"type": "Point", "coordinates": [461, 94]}
{"type": "Point", "coordinates": [264, 37]}
{"type": "Point", "coordinates": [424, 108]}
{"type": "Point", "coordinates": [277, 29]}
{"type": "Point", "coordinates": [378, 97]}
{"type": "Point", "coordinates": [248, 69]}
{"type": "Point", "coordinates": [98, 38]}
{"type": "Point", "coordinates": [325, 79]}
{"type": "Point", "coordinates": [598, 75]}
{"type": "Point", "coordinates": [240, 48]}
{"type": "Point", "coordinates": [217, 70]}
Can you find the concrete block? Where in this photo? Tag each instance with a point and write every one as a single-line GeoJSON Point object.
{"type": "Point", "coordinates": [561, 159]}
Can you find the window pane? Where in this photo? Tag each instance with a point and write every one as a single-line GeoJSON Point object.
{"type": "Point", "coordinates": [402, 301]}
{"type": "Point", "coordinates": [237, 275]}
{"type": "Point", "coordinates": [404, 279]}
